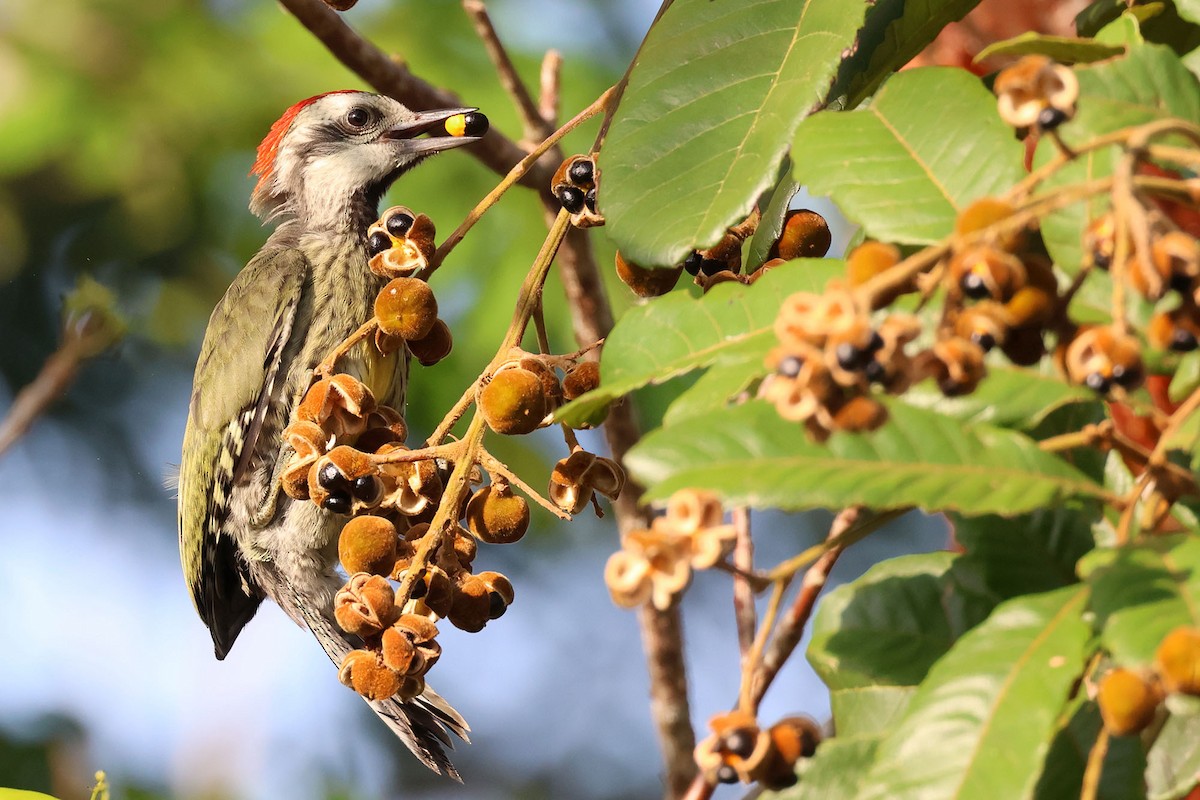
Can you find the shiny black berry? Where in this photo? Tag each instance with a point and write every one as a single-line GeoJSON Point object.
{"type": "Point", "coordinates": [496, 605]}
{"type": "Point", "coordinates": [726, 774]}
{"type": "Point", "coordinates": [589, 199]}
{"type": "Point", "coordinates": [790, 366]}
{"type": "Point", "coordinates": [399, 224]}
{"type": "Point", "coordinates": [1097, 383]}
{"type": "Point", "coordinates": [1051, 118]}
{"type": "Point", "coordinates": [378, 242]}
{"type": "Point", "coordinates": [475, 124]}
{"type": "Point", "coordinates": [739, 743]}
{"type": "Point", "coordinates": [330, 477]}
{"type": "Point", "coordinates": [1183, 341]}
{"type": "Point", "coordinates": [691, 264]}
{"type": "Point", "coordinates": [365, 488]}
{"type": "Point", "coordinates": [338, 503]}
{"type": "Point", "coordinates": [973, 286]}
{"type": "Point", "coordinates": [571, 198]}
{"type": "Point", "coordinates": [581, 172]}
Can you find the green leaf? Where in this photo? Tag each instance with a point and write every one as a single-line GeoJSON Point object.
{"type": "Point", "coordinates": [1149, 83]}
{"type": "Point", "coordinates": [677, 333]}
{"type": "Point", "coordinates": [890, 626]}
{"type": "Point", "coordinates": [713, 390]}
{"type": "Point", "coordinates": [872, 710]}
{"type": "Point", "coordinates": [1032, 553]}
{"type": "Point", "coordinates": [1173, 763]}
{"type": "Point", "coordinates": [712, 103]}
{"type": "Point", "coordinates": [1096, 16]}
{"type": "Point", "coordinates": [752, 456]}
{"type": "Point", "coordinates": [929, 143]}
{"type": "Point", "coordinates": [770, 227]}
{"type": "Point", "coordinates": [1186, 378]}
{"type": "Point", "coordinates": [894, 32]}
{"type": "Point", "coordinates": [1066, 760]}
{"type": "Point", "coordinates": [1009, 397]}
{"type": "Point", "coordinates": [835, 771]}
{"type": "Point", "coordinates": [982, 721]}
{"type": "Point", "coordinates": [1067, 49]}
{"type": "Point", "coordinates": [22, 794]}
{"type": "Point", "coordinates": [1141, 592]}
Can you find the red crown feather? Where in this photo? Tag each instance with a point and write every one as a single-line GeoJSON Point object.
{"type": "Point", "coordinates": [268, 149]}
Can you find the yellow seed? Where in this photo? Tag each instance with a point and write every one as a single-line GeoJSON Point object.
{"type": "Point", "coordinates": [456, 125]}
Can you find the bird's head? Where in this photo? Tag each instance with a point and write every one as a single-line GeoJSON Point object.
{"type": "Point", "coordinates": [331, 157]}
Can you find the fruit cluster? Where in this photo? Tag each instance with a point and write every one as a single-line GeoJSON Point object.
{"type": "Point", "coordinates": [656, 565]}
{"type": "Point", "coordinates": [1129, 699]}
{"type": "Point", "coordinates": [739, 750]}
{"type": "Point", "coordinates": [804, 234]}
{"type": "Point", "coordinates": [1036, 94]}
{"type": "Point", "coordinates": [574, 185]}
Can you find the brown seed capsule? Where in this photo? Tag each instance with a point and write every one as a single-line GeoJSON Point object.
{"type": "Point", "coordinates": [365, 605]}
{"type": "Point", "coordinates": [1036, 93]}
{"type": "Point", "coordinates": [406, 308]}
{"type": "Point", "coordinates": [500, 593]}
{"type": "Point", "coordinates": [513, 402]}
{"type": "Point", "coordinates": [470, 609]}
{"type": "Point", "coordinates": [1127, 701]}
{"type": "Point", "coordinates": [581, 379]}
{"type": "Point", "coordinates": [368, 544]}
{"type": "Point", "coordinates": [497, 516]}
{"type": "Point", "coordinates": [1177, 330]}
{"type": "Point", "coordinates": [433, 346]}
{"type": "Point", "coordinates": [1100, 358]}
{"type": "Point", "coordinates": [364, 672]}
{"type": "Point", "coordinates": [986, 273]}
{"type": "Point", "coordinates": [805, 235]}
{"type": "Point", "coordinates": [647, 282]}
{"type": "Point", "coordinates": [569, 489]}
{"type": "Point", "coordinates": [1100, 240]}
{"type": "Point", "coordinates": [1178, 660]}
{"type": "Point", "coordinates": [551, 386]}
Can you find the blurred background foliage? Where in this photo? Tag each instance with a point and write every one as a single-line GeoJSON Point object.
{"type": "Point", "coordinates": [127, 129]}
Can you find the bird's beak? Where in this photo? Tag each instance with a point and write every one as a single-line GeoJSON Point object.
{"type": "Point", "coordinates": [429, 122]}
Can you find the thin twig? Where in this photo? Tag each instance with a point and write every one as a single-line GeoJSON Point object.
{"type": "Point", "coordinates": [550, 81]}
{"type": "Point", "coordinates": [497, 467]}
{"type": "Point", "coordinates": [1095, 767]}
{"type": "Point", "coordinates": [454, 414]}
{"type": "Point", "coordinates": [55, 377]}
{"type": "Point", "coordinates": [791, 626]}
{"type": "Point", "coordinates": [535, 125]}
{"type": "Point", "coordinates": [744, 611]}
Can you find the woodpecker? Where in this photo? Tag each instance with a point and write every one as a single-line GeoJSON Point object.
{"type": "Point", "coordinates": [322, 170]}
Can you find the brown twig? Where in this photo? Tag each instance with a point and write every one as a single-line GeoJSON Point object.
{"type": "Point", "coordinates": [549, 83]}
{"type": "Point", "coordinates": [743, 592]}
{"type": "Point", "coordinates": [55, 377]}
{"type": "Point", "coordinates": [535, 125]}
{"type": "Point", "coordinates": [791, 626]}
{"type": "Point", "coordinates": [497, 467]}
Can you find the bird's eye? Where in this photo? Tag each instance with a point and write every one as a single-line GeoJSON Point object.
{"type": "Point", "coordinates": [358, 117]}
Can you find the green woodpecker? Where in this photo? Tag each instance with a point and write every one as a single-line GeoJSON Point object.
{"type": "Point", "coordinates": [322, 170]}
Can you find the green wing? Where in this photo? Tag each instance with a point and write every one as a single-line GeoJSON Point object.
{"type": "Point", "coordinates": [238, 376]}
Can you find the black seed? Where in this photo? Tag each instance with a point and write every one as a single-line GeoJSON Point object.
{"type": "Point", "coordinates": [444, 468]}
{"type": "Point", "coordinates": [419, 589]}
{"type": "Point", "coordinates": [985, 340]}
{"type": "Point", "coordinates": [1051, 118]}
{"type": "Point", "coordinates": [365, 488]}
{"type": "Point", "coordinates": [791, 779]}
{"type": "Point", "coordinates": [589, 199]}
{"type": "Point", "coordinates": [876, 372]}
{"type": "Point", "coordinates": [1102, 260]}
{"type": "Point", "coordinates": [726, 774]}
{"type": "Point", "coordinates": [378, 242]}
{"type": "Point", "coordinates": [329, 476]}
{"type": "Point", "coordinates": [974, 287]}
{"type": "Point", "coordinates": [1183, 341]}
{"type": "Point", "coordinates": [1097, 383]}
{"type": "Point", "coordinates": [399, 224]}
{"type": "Point", "coordinates": [876, 343]}
{"type": "Point", "coordinates": [691, 264]}
{"type": "Point", "coordinates": [951, 387]}
{"type": "Point", "coordinates": [581, 172]}
{"type": "Point", "coordinates": [850, 357]}
{"type": "Point", "coordinates": [790, 366]}
{"type": "Point", "coordinates": [1127, 377]}
{"type": "Point", "coordinates": [338, 503]}
{"type": "Point", "coordinates": [571, 198]}
{"type": "Point", "coordinates": [710, 266]}
{"type": "Point", "coordinates": [496, 605]}
{"type": "Point", "coordinates": [739, 742]}
{"type": "Point", "coordinates": [475, 124]}
{"type": "Point", "coordinates": [1180, 283]}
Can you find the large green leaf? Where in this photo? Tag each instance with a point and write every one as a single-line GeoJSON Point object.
{"type": "Point", "coordinates": [750, 455]}
{"type": "Point", "coordinates": [1035, 552]}
{"type": "Point", "coordinates": [712, 103]}
{"type": "Point", "coordinates": [894, 32]}
{"type": "Point", "coordinates": [835, 772]}
{"type": "Point", "coordinates": [872, 710]}
{"type": "Point", "coordinates": [1141, 592]}
{"type": "Point", "coordinates": [713, 390]}
{"type": "Point", "coordinates": [1009, 397]}
{"type": "Point", "coordinates": [929, 143]}
{"type": "Point", "coordinates": [982, 721]}
{"type": "Point", "coordinates": [1148, 83]}
{"type": "Point", "coordinates": [890, 626]}
{"type": "Point", "coordinates": [1068, 49]}
{"type": "Point", "coordinates": [677, 333]}
{"type": "Point", "coordinates": [1173, 763]}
